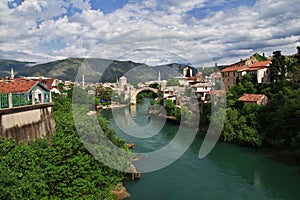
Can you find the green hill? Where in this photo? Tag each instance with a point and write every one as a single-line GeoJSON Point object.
{"type": "Point", "coordinates": [102, 70]}
{"type": "Point", "coordinates": [18, 66]}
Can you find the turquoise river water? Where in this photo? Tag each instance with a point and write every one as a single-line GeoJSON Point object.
{"type": "Point", "coordinates": [228, 172]}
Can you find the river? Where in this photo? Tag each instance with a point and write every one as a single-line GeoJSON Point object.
{"type": "Point", "coordinates": [228, 172]}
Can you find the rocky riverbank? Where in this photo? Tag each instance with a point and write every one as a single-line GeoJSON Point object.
{"type": "Point", "coordinates": [120, 192]}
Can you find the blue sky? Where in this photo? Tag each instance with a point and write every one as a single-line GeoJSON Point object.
{"type": "Point", "coordinates": [200, 32]}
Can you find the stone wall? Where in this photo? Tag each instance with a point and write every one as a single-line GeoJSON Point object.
{"type": "Point", "coordinates": [27, 123]}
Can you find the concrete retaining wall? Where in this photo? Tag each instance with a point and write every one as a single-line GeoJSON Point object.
{"type": "Point", "coordinates": [27, 123]}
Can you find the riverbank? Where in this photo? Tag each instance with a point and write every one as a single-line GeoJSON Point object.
{"type": "Point", "coordinates": [111, 106]}
{"type": "Point", "coordinates": [120, 192]}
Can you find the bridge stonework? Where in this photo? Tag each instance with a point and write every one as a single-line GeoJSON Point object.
{"type": "Point", "coordinates": [27, 123]}
{"type": "Point", "coordinates": [136, 92]}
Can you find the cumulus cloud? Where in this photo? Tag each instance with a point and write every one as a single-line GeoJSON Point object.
{"type": "Point", "coordinates": [150, 31]}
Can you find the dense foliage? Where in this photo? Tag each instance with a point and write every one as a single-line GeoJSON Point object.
{"type": "Point", "coordinates": [148, 94]}
{"type": "Point", "coordinates": [58, 166]}
{"type": "Point", "coordinates": [173, 82]}
{"type": "Point", "coordinates": [276, 125]}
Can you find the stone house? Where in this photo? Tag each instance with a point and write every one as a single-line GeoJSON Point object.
{"type": "Point", "coordinates": [233, 73]}
{"type": "Point", "coordinates": [259, 99]}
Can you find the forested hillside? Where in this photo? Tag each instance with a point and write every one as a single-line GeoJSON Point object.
{"type": "Point", "coordinates": [59, 166]}
{"type": "Point", "coordinates": [276, 125]}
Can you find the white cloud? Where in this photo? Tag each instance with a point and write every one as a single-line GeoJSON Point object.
{"type": "Point", "coordinates": [221, 36]}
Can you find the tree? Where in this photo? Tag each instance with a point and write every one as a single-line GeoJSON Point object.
{"type": "Point", "coordinates": [173, 82]}
{"type": "Point", "coordinates": [170, 108]}
{"type": "Point", "coordinates": [278, 67]}
{"type": "Point", "coordinates": [59, 166]}
{"type": "Point", "coordinates": [247, 85]}
{"type": "Point", "coordinates": [104, 93]}
{"type": "Point", "coordinates": [188, 91]}
{"type": "Point", "coordinates": [154, 85]}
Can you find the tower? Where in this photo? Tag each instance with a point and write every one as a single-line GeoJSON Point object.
{"type": "Point", "coordinates": [12, 74]}
{"type": "Point", "coordinates": [83, 80]}
{"type": "Point", "coordinates": [159, 78]}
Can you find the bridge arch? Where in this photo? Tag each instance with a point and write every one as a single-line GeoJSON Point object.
{"type": "Point", "coordinates": [136, 92]}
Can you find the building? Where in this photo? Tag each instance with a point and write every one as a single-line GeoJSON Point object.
{"type": "Point", "coordinates": [214, 79]}
{"type": "Point", "coordinates": [21, 92]}
{"type": "Point", "coordinates": [260, 70]}
{"type": "Point", "coordinates": [122, 87]}
{"type": "Point", "coordinates": [26, 112]}
{"type": "Point", "coordinates": [172, 93]}
{"type": "Point", "coordinates": [259, 99]}
{"type": "Point", "coordinates": [50, 83]}
{"type": "Point", "coordinates": [202, 91]}
{"type": "Point", "coordinates": [233, 73]}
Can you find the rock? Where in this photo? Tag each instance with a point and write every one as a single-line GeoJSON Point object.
{"type": "Point", "coordinates": [130, 145]}
{"type": "Point", "coordinates": [132, 173]}
{"type": "Point", "coordinates": [136, 158]}
{"type": "Point", "coordinates": [120, 192]}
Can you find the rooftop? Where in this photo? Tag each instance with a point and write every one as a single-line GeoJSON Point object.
{"type": "Point", "coordinates": [251, 97]}
{"type": "Point", "coordinates": [17, 86]}
{"type": "Point", "coordinates": [261, 64]}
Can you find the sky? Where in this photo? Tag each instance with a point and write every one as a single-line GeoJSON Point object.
{"type": "Point", "coordinates": [195, 32]}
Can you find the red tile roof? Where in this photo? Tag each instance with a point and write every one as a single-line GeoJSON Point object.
{"type": "Point", "coordinates": [242, 67]}
{"type": "Point", "coordinates": [261, 64]}
{"type": "Point", "coordinates": [195, 79]}
{"type": "Point", "coordinates": [236, 66]}
{"type": "Point", "coordinates": [254, 68]}
{"type": "Point", "coordinates": [17, 86]}
{"type": "Point", "coordinates": [251, 97]}
{"type": "Point", "coordinates": [233, 68]}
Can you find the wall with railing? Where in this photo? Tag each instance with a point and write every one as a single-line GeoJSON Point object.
{"type": "Point", "coordinates": [11, 100]}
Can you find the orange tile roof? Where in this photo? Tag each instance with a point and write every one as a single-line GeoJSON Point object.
{"type": "Point", "coordinates": [233, 68]}
{"type": "Point", "coordinates": [195, 78]}
{"type": "Point", "coordinates": [17, 86]}
{"type": "Point", "coordinates": [254, 68]}
{"type": "Point", "coordinates": [261, 64]}
{"type": "Point", "coordinates": [251, 97]}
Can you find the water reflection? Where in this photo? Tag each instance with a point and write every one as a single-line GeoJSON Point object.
{"type": "Point", "coordinates": [125, 121]}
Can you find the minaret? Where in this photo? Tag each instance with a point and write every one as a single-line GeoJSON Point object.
{"type": "Point", "coordinates": [83, 80]}
{"type": "Point", "coordinates": [12, 74]}
{"type": "Point", "coordinates": [159, 78]}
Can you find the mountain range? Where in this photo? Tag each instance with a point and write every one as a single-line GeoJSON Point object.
{"type": "Point", "coordinates": [94, 70]}
{"type": "Point", "coordinates": [18, 66]}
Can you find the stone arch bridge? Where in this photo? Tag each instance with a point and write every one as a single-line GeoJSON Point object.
{"type": "Point", "coordinates": [136, 92]}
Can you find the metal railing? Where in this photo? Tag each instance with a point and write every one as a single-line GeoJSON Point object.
{"type": "Point", "coordinates": [3, 101]}
{"type": "Point", "coordinates": [22, 99]}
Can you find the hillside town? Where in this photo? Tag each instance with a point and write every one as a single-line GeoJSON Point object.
{"type": "Point", "coordinates": [23, 91]}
